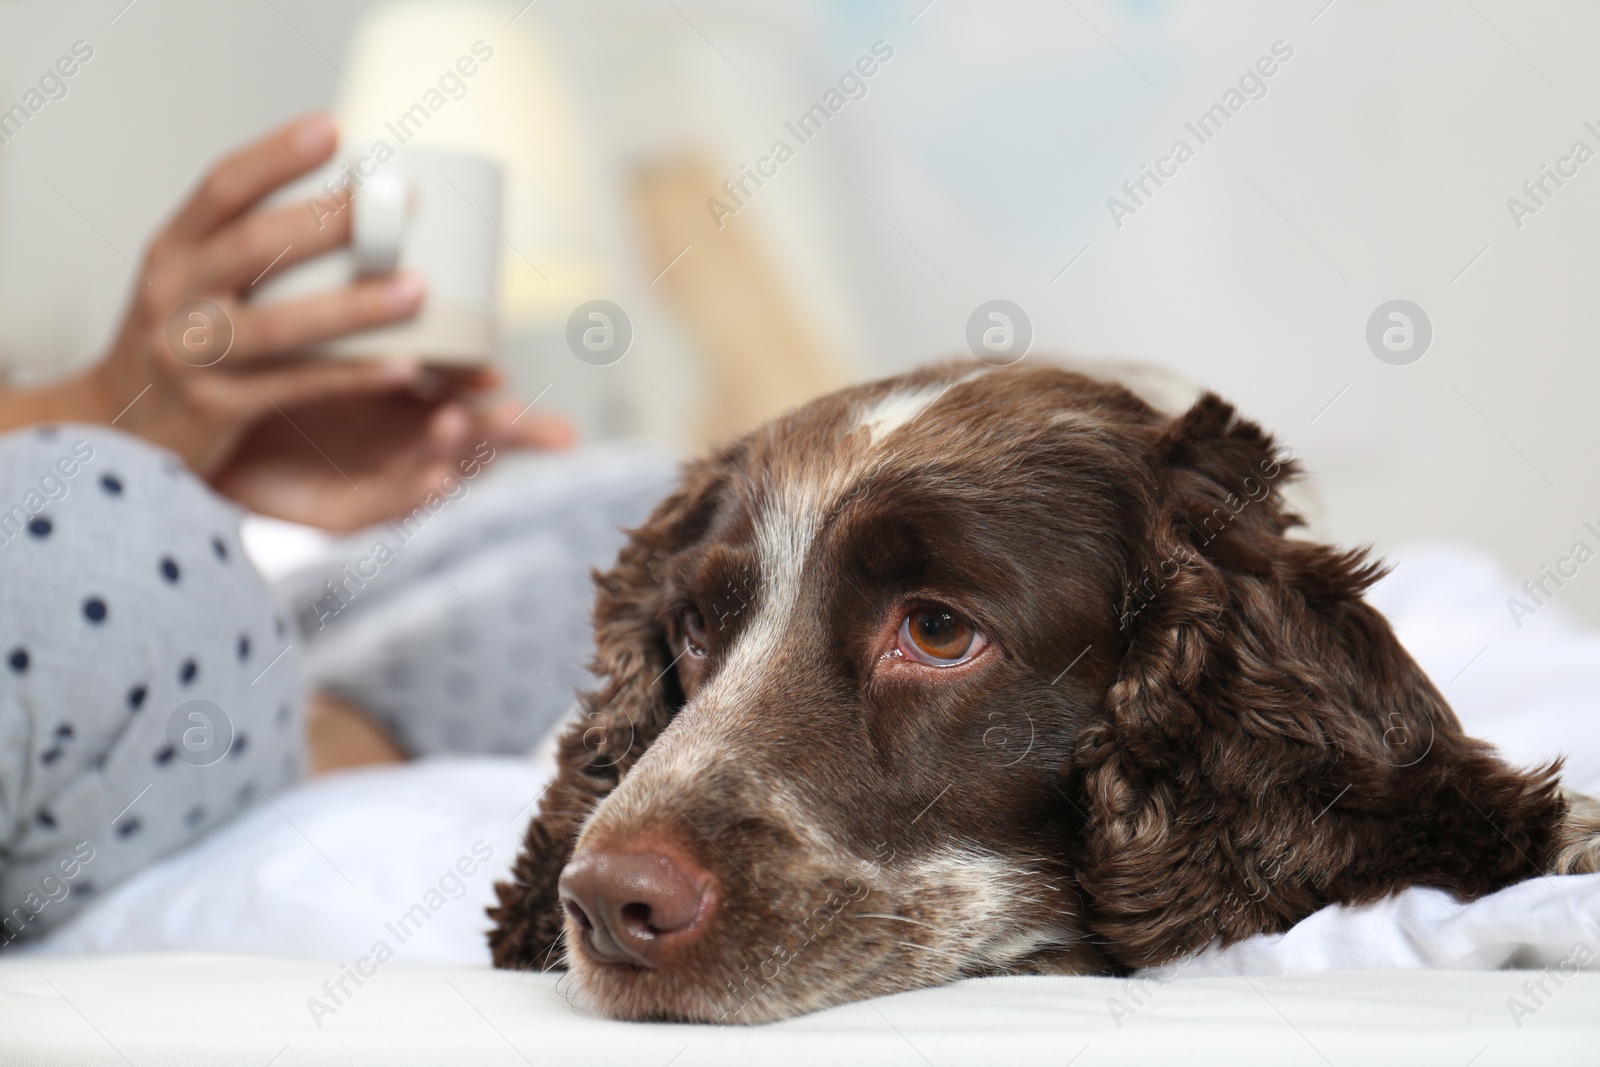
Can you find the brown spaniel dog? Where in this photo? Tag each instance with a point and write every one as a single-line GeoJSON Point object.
{"type": "Point", "coordinates": [980, 671]}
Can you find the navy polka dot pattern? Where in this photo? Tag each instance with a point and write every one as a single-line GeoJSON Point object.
{"type": "Point", "coordinates": [124, 605]}
{"type": "Point", "coordinates": [472, 639]}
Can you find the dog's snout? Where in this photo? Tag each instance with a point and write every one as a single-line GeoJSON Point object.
{"type": "Point", "coordinates": [635, 907]}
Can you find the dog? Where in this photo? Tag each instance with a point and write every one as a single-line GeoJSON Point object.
{"type": "Point", "coordinates": [982, 671]}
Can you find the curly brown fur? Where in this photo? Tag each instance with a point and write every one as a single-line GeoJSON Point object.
{"type": "Point", "coordinates": [1268, 746]}
{"type": "Point", "coordinates": [1187, 726]}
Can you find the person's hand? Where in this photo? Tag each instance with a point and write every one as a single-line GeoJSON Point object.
{"type": "Point", "coordinates": [346, 462]}
{"type": "Point", "coordinates": [217, 249]}
{"type": "Point", "coordinates": [332, 442]}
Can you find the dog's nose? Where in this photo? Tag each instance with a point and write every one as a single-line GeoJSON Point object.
{"type": "Point", "coordinates": [634, 907]}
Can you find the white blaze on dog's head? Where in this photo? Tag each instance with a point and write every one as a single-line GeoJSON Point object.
{"type": "Point", "coordinates": [798, 499]}
{"type": "Point", "coordinates": [897, 409]}
{"type": "Point", "coordinates": [796, 508]}
{"type": "Point", "coordinates": [900, 408]}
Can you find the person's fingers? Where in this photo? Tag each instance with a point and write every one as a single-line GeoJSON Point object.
{"type": "Point", "coordinates": [443, 383]}
{"type": "Point", "coordinates": [275, 329]}
{"type": "Point", "coordinates": [249, 250]}
{"type": "Point", "coordinates": [521, 426]}
{"type": "Point", "coordinates": [253, 171]}
{"type": "Point", "coordinates": [542, 430]}
{"type": "Point", "coordinates": [437, 477]}
{"type": "Point", "coordinates": [449, 429]}
{"type": "Point", "coordinates": [447, 437]}
{"type": "Point", "coordinates": [444, 437]}
{"type": "Point", "coordinates": [323, 379]}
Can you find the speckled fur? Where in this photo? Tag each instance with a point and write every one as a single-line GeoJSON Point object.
{"type": "Point", "coordinates": [1194, 729]}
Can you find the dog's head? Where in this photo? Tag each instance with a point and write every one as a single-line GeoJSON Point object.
{"type": "Point", "coordinates": [970, 671]}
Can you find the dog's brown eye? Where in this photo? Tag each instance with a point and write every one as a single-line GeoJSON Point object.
{"type": "Point", "coordinates": [694, 631]}
{"type": "Point", "coordinates": [938, 637]}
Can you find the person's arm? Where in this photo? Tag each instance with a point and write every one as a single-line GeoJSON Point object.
{"type": "Point", "coordinates": [75, 399]}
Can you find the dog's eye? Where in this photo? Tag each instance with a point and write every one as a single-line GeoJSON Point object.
{"type": "Point", "coordinates": [694, 630]}
{"type": "Point", "coordinates": [938, 637]}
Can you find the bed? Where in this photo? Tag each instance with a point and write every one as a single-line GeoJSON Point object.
{"type": "Point", "coordinates": [261, 944]}
{"type": "Point", "coordinates": [250, 1010]}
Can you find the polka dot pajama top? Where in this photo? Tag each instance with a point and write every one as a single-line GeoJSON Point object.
{"type": "Point", "coordinates": [152, 685]}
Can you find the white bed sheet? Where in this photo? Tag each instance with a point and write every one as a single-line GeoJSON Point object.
{"type": "Point", "coordinates": [243, 1010]}
{"type": "Point", "coordinates": [329, 869]}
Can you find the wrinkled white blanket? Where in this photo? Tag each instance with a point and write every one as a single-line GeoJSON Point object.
{"type": "Point", "coordinates": [406, 857]}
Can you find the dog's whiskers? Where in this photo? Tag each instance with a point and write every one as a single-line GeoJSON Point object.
{"type": "Point", "coordinates": [558, 943]}
{"type": "Point", "coordinates": [895, 918]}
{"type": "Point", "coordinates": [960, 958]}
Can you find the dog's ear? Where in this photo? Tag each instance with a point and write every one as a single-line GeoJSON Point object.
{"type": "Point", "coordinates": [635, 700]}
{"type": "Point", "coordinates": [1267, 746]}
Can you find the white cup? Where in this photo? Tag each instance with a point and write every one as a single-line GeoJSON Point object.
{"type": "Point", "coordinates": [436, 213]}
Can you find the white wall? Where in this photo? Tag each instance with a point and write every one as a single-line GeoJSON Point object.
{"type": "Point", "coordinates": [1377, 166]}
{"type": "Point", "coordinates": [1390, 142]}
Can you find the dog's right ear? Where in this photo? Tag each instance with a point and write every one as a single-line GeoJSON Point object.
{"type": "Point", "coordinates": [636, 698]}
